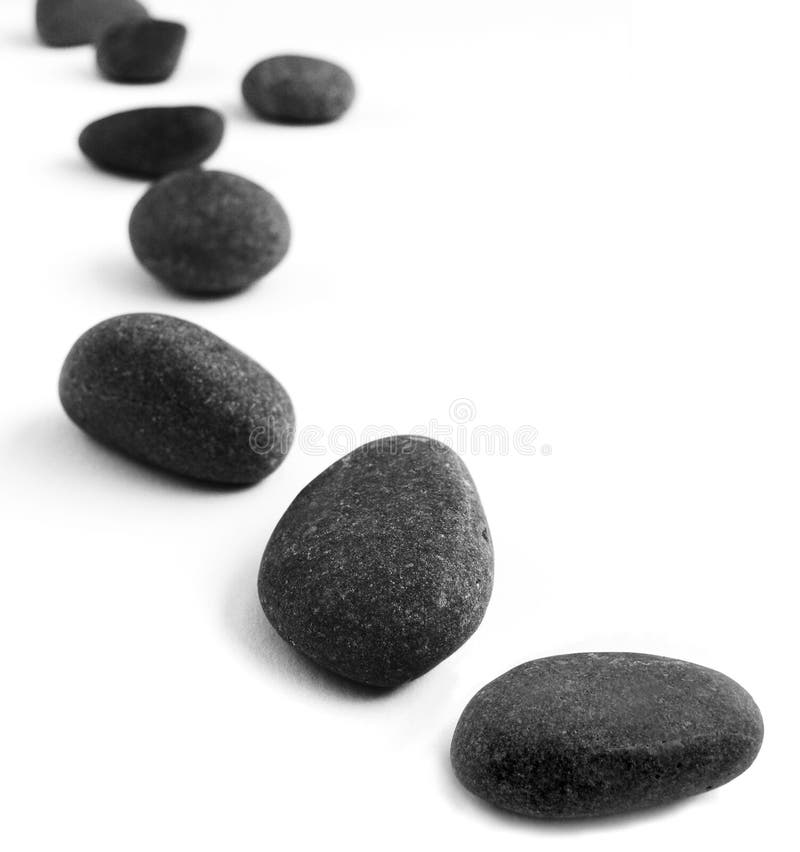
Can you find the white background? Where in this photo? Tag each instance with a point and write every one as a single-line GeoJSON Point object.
{"type": "Point", "coordinates": [580, 215]}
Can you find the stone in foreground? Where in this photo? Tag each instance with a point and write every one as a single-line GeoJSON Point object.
{"type": "Point", "coordinates": [140, 51]}
{"type": "Point", "coordinates": [153, 141]}
{"type": "Point", "coordinates": [173, 395]}
{"type": "Point", "coordinates": [208, 233]}
{"type": "Point", "coordinates": [586, 735]}
{"type": "Point", "coordinates": [67, 23]}
{"type": "Point", "coordinates": [383, 565]}
{"type": "Point", "coordinates": [298, 90]}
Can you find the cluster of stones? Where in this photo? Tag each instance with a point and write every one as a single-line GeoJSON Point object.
{"type": "Point", "coordinates": [383, 565]}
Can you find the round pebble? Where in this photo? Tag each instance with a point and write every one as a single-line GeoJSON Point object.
{"type": "Point", "coordinates": [153, 141]}
{"type": "Point", "coordinates": [140, 51]}
{"type": "Point", "coordinates": [596, 734]}
{"type": "Point", "coordinates": [208, 233]}
{"type": "Point", "coordinates": [383, 565]}
{"type": "Point", "coordinates": [298, 90]}
{"type": "Point", "coordinates": [171, 394]}
{"type": "Point", "coordinates": [66, 23]}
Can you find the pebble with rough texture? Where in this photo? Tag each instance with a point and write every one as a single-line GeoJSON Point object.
{"type": "Point", "coordinates": [383, 565]}
{"type": "Point", "coordinates": [298, 90]}
{"type": "Point", "coordinates": [169, 393]}
{"type": "Point", "coordinates": [140, 51]}
{"type": "Point", "coordinates": [585, 735]}
{"type": "Point", "coordinates": [67, 23]}
{"type": "Point", "coordinates": [208, 233]}
{"type": "Point", "coordinates": [153, 141]}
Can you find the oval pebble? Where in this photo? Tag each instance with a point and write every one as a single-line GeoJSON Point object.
{"type": "Point", "coordinates": [173, 395]}
{"type": "Point", "coordinates": [298, 90]}
{"type": "Point", "coordinates": [66, 23]}
{"type": "Point", "coordinates": [153, 141]}
{"type": "Point", "coordinates": [383, 565]}
{"type": "Point", "coordinates": [208, 233]}
{"type": "Point", "coordinates": [596, 734]}
{"type": "Point", "coordinates": [140, 51]}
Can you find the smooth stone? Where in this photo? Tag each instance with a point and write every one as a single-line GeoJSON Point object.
{"type": "Point", "coordinates": [153, 141]}
{"type": "Point", "coordinates": [208, 233]}
{"type": "Point", "coordinates": [140, 51]}
{"type": "Point", "coordinates": [298, 90]}
{"type": "Point", "coordinates": [173, 395]}
{"type": "Point", "coordinates": [67, 23]}
{"type": "Point", "coordinates": [585, 735]}
{"type": "Point", "coordinates": [383, 565]}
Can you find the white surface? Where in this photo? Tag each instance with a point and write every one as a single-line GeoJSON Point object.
{"type": "Point", "coordinates": [580, 217]}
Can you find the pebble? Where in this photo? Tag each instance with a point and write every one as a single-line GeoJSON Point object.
{"type": "Point", "coordinates": [66, 23]}
{"type": "Point", "coordinates": [298, 90]}
{"type": "Point", "coordinates": [208, 233]}
{"type": "Point", "coordinates": [175, 396]}
{"type": "Point", "coordinates": [140, 51]}
{"type": "Point", "coordinates": [597, 734]}
{"type": "Point", "coordinates": [153, 141]}
{"type": "Point", "coordinates": [383, 565]}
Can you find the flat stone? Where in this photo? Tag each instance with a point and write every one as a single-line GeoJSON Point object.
{"type": "Point", "coordinates": [383, 565]}
{"type": "Point", "coordinates": [208, 233]}
{"type": "Point", "coordinates": [66, 23]}
{"type": "Point", "coordinates": [140, 51]}
{"type": "Point", "coordinates": [596, 734]}
{"type": "Point", "coordinates": [173, 395]}
{"type": "Point", "coordinates": [153, 141]}
{"type": "Point", "coordinates": [298, 90]}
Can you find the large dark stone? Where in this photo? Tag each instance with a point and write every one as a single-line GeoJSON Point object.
{"type": "Point", "coordinates": [298, 90]}
{"type": "Point", "coordinates": [66, 23]}
{"type": "Point", "coordinates": [595, 734]}
{"type": "Point", "coordinates": [383, 565]}
{"type": "Point", "coordinates": [176, 396]}
{"type": "Point", "coordinates": [140, 51]}
{"type": "Point", "coordinates": [208, 233]}
{"type": "Point", "coordinates": [153, 141]}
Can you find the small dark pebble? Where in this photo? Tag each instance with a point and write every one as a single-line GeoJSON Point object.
{"type": "Point", "coordinates": [140, 51]}
{"type": "Point", "coordinates": [586, 735]}
{"type": "Point", "coordinates": [208, 233]}
{"type": "Point", "coordinates": [298, 90]}
{"type": "Point", "coordinates": [383, 565]}
{"type": "Point", "coordinates": [153, 141]}
{"type": "Point", "coordinates": [66, 23]}
{"type": "Point", "coordinates": [171, 394]}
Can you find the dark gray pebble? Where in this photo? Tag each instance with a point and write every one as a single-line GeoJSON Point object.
{"type": "Point", "coordinates": [140, 51]}
{"type": "Point", "coordinates": [298, 90]}
{"type": "Point", "coordinates": [383, 565]}
{"type": "Point", "coordinates": [171, 394]}
{"type": "Point", "coordinates": [66, 23]}
{"type": "Point", "coordinates": [208, 233]}
{"type": "Point", "coordinates": [153, 141]}
{"type": "Point", "coordinates": [595, 734]}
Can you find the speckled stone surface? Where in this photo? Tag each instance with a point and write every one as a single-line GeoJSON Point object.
{"type": "Point", "coordinates": [153, 141]}
{"type": "Point", "coordinates": [597, 734]}
{"type": "Point", "coordinates": [66, 23]}
{"type": "Point", "coordinates": [140, 51]}
{"type": "Point", "coordinates": [298, 90]}
{"type": "Point", "coordinates": [209, 233]}
{"type": "Point", "coordinates": [173, 395]}
{"type": "Point", "coordinates": [383, 565]}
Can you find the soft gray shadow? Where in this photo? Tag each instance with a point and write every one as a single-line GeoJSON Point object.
{"type": "Point", "coordinates": [23, 38]}
{"type": "Point", "coordinates": [245, 622]}
{"type": "Point", "coordinates": [80, 166]}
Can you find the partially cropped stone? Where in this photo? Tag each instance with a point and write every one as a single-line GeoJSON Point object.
{"type": "Point", "coordinates": [140, 51]}
{"type": "Point", "coordinates": [209, 233]}
{"type": "Point", "coordinates": [383, 565]}
{"type": "Point", "coordinates": [586, 735]}
{"type": "Point", "coordinates": [153, 141]}
{"type": "Point", "coordinates": [173, 395]}
{"type": "Point", "coordinates": [66, 23]}
{"type": "Point", "coordinates": [298, 90]}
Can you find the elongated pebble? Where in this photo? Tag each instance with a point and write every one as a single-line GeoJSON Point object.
{"type": "Point", "coordinates": [173, 395]}
{"type": "Point", "coordinates": [140, 51]}
{"type": "Point", "coordinates": [66, 23]}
